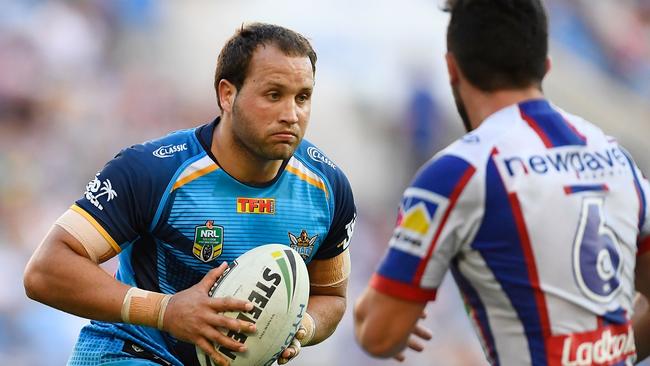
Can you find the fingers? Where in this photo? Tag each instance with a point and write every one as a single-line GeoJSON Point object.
{"type": "Point", "coordinates": [423, 332]}
{"type": "Point", "coordinates": [415, 345]}
{"type": "Point", "coordinates": [225, 304]}
{"type": "Point", "coordinates": [213, 335]}
{"type": "Point", "coordinates": [399, 357]}
{"type": "Point", "coordinates": [221, 321]}
{"type": "Point", "coordinates": [301, 333]}
{"type": "Point", "coordinates": [211, 277]}
{"type": "Point", "coordinates": [210, 351]}
{"type": "Point", "coordinates": [290, 352]}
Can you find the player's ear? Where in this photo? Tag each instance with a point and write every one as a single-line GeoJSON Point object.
{"type": "Point", "coordinates": [452, 68]}
{"type": "Point", "coordinates": [227, 94]}
{"type": "Point", "coordinates": [548, 65]}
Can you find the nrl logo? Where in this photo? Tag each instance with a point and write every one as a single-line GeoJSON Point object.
{"type": "Point", "coordinates": [208, 241]}
{"type": "Point", "coordinates": [303, 244]}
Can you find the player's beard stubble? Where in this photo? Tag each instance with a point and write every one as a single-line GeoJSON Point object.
{"type": "Point", "coordinates": [253, 140]}
{"type": "Point", "coordinates": [460, 106]}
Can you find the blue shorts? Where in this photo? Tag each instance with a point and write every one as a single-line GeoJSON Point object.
{"type": "Point", "coordinates": [95, 348]}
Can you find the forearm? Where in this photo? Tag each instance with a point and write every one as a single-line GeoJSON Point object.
{"type": "Point", "coordinates": [61, 278]}
{"type": "Point", "coordinates": [327, 311]}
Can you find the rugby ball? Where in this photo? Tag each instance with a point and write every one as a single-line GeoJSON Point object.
{"type": "Point", "coordinates": [274, 278]}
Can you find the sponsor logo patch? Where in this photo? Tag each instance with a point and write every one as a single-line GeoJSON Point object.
{"type": "Point", "coordinates": [256, 205]}
{"type": "Point", "coordinates": [608, 345]}
{"type": "Point", "coordinates": [318, 156]}
{"type": "Point", "coordinates": [303, 244]}
{"type": "Point", "coordinates": [167, 151]}
{"type": "Point", "coordinates": [208, 241]}
{"type": "Point", "coordinates": [414, 220]}
{"type": "Point", "coordinates": [96, 189]}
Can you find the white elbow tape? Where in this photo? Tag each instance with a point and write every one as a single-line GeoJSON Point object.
{"type": "Point", "coordinates": [144, 307]}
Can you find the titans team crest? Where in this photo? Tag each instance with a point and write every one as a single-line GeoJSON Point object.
{"type": "Point", "coordinates": [303, 244]}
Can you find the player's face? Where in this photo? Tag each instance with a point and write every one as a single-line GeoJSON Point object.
{"type": "Point", "coordinates": [271, 109]}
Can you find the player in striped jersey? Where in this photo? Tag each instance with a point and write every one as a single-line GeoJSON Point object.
{"type": "Point", "coordinates": [178, 208]}
{"type": "Point", "coordinates": [541, 218]}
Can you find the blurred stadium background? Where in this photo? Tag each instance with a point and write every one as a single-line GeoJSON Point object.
{"type": "Point", "coordinates": [79, 80]}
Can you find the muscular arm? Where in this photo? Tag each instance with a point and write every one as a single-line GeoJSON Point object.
{"type": "Point", "coordinates": [60, 274]}
{"type": "Point", "coordinates": [642, 321]}
{"type": "Point", "coordinates": [376, 313]}
{"type": "Point", "coordinates": [327, 306]}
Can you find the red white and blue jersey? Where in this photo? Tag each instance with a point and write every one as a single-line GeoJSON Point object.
{"type": "Point", "coordinates": [540, 217]}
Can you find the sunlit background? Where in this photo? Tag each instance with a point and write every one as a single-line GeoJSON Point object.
{"type": "Point", "coordinates": [79, 80]}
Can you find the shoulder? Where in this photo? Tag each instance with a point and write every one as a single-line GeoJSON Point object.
{"type": "Point", "coordinates": [162, 156]}
{"type": "Point", "coordinates": [315, 160]}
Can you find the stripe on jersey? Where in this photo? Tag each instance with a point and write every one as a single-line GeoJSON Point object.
{"type": "Point", "coordinates": [299, 169]}
{"type": "Point", "coordinates": [401, 290]}
{"type": "Point", "coordinates": [478, 312]}
{"type": "Point", "coordinates": [551, 127]}
{"type": "Point", "coordinates": [586, 188]}
{"type": "Point", "coordinates": [504, 244]}
{"type": "Point", "coordinates": [447, 176]}
{"type": "Point", "coordinates": [616, 317]}
{"type": "Point", "coordinates": [97, 226]}
{"type": "Point", "coordinates": [197, 169]}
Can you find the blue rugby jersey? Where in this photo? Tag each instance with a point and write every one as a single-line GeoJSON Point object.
{"type": "Point", "coordinates": [173, 214]}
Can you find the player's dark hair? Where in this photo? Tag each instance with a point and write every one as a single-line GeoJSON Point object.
{"type": "Point", "coordinates": [499, 44]}
{"type": "Point", "coordinates": [236, 55]}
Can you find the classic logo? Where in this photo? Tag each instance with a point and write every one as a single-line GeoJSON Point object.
{"type": "Point", "coordinates": [96, 189]}
{"type": "Point", "coordinates": [256, 205]}
{"type": "Point", "coordinates": [316, 155]}
{"type": "Point", "coordinates": [208, 241]}
{"type": "Point", "coordinates": [303, 244]}
{"type": "Point", "coordinates": [167, 151]}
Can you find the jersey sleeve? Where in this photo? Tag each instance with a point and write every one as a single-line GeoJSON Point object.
{"type": "Point", "coordinates": [342, 228]}
{"type": "Point", "coordinates": [435, 217]}
{"type": "Point", "coordinates": [118, 200]}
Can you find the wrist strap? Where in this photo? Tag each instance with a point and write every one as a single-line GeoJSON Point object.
{"type": "Point", "coordinates": [143, 307]}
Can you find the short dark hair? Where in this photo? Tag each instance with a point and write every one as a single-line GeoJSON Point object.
{"type": "Point", "coordinates": [499, 44]}
{"type": "Point", "coordinates": [236, 54]}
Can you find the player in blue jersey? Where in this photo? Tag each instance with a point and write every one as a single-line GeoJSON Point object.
{"type": "Point", "coordinates": [541, 217]}
{"type": "Point", "coordinates": [177, 209]}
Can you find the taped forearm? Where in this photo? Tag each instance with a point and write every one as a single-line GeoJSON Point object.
{"type": "Point", "coordinates": [144, 307]}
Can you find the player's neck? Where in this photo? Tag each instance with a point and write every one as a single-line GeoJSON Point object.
{"type": "Point", "coordinates": [238, 161]}
{"type": "Point", "coordinates": [480, 105]}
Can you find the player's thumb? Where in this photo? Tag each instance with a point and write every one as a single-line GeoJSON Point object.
{"type": "Point", "coordinates": [212, 277]}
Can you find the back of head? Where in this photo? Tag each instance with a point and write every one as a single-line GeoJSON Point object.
{"type": "Point", "coordinates": [499, 44]}
{"type": "Point", "coordinates": [237, 53]}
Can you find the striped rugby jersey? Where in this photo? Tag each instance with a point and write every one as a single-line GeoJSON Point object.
{"type": "Point", "coordinates": [539, 216]}
{"type": "Point", "coordinates": [173, 214]}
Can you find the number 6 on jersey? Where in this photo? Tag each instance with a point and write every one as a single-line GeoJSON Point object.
{"type": "Point", "coordinates": [596, 253]}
